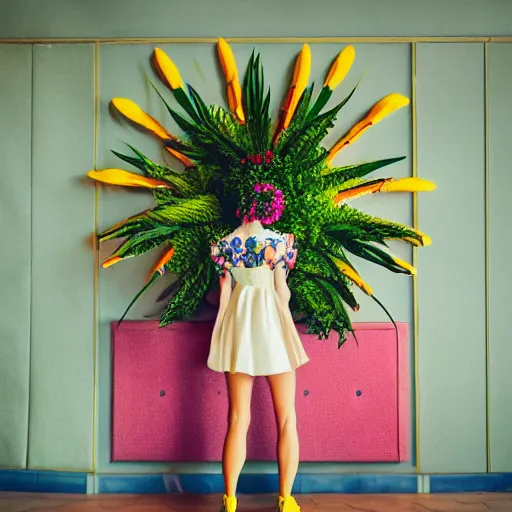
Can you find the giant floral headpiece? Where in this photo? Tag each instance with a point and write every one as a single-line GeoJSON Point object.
{"type": "Point", "coordinates": [225, 153]}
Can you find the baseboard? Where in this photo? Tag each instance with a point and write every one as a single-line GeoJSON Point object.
{"type": "Point", "coordinates": [258, 483]}
{"type": "Point", "coordinates": [25, 480]}
{"type": "Point", "coordinates": [486, 482]}
{"type": "Point", "coordinates": [306, 483]}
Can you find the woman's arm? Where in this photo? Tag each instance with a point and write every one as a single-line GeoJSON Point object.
{"type": "Point", "coordinates": [225, 282]}
{"type": "Point", "coordinates": [281, 285]}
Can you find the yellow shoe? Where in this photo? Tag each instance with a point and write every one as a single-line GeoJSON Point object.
{"type": "Point", "coordinates": [230, 503]}
{"type": "Point", "coordinates": [288, 504]}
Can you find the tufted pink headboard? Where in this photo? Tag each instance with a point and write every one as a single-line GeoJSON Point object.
{"type": "Point", "coordinates": [353, 404]}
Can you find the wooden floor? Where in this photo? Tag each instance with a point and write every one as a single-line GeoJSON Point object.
{"type": "Point", "coordinates": [24, 502]}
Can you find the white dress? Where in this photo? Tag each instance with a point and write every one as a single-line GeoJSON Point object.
{"type": "Point", "coordinates": [256, 335]}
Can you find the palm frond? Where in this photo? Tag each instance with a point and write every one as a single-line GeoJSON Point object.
{"type": "Point", "coordinates": [144, 241]}
{"type": "Point", "coordinates": [333, 177]}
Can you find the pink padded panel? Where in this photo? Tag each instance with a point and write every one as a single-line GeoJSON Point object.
{"type": "Point", "coordinates": [353, 404]}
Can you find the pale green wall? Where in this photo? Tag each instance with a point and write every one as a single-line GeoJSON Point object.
{"type": "Point", "coordinates": [46, 271]}
{"type": "Point", "coordinates": [15, 235]}
{"type": "Point", "coordinates": [451, 274]}
{"type": "Point", "coordinates": [244, 18]}
{"type": "Point", "coordinates": [499, 63]}
{"type": "Point", "coordinates": [61, 369]}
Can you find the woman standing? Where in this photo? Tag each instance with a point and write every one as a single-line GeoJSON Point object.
{"type": "Point", "coordinates": [254, 335]}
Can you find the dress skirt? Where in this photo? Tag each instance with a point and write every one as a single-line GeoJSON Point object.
{"type": "Point", "coordinates": [256, 335]}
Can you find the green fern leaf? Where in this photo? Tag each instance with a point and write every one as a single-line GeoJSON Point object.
{"type": "Point", "coordinates": [198, 209]}
{"type": "Point", "coordinates": [185, 301]}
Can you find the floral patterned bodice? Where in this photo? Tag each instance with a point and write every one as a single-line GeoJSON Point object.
{"type": "Point", "coordinates": [267, 248]}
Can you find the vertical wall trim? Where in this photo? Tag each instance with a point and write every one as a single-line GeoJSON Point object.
{"type": "Point", "coordinates": [414, 131]}
{"type": "Point", "coordinates": [31, 245]}
{"type": "Point", "coordinates": [96, 262]}
{"type": "Point", "coordinates": [487, 270]}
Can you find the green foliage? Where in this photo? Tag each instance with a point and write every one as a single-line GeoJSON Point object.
{"type": "Point", "coordinates": [128, 227]}
{"type": "Point", "coordinates": [186, 299]}
{"type": "Point", "coordinates": [337, 177]}
{"type": "Point", "coordinates": [351, 223]}
{"type": "Point", "coordinates": [199, 207]}
{"type": "Point", "coordinates": [144, 241]}
{"type": "Point", "coordinates": [298, 119]}
{"type": "Point", "coordinates": [256, 106]}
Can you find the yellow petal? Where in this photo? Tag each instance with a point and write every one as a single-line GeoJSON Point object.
{"type": "Point", "coordinates": [360, 190]}
{"type": "Point", "coordinates": [227, 60]}
{"type": "Point", "coordinates": [182, 158]}
{"type": "Point", "coordinates": [405, 265]}
{"type": "Point", "coordinates": [234, 90]}
{"type": "Point", "coordinates": [168, 69]}
{"type": "Point", "coordinates": [425, 239]}
{"type": "Point", "coordinates": [424, 242]}
{"type": "Point", "coordinates": [378, 112]}
{"type": "Point", "coordinates": [159, 267]}
{"type": "Point", "coordinates": [340, 67]}
{"type": "Point", "coordinates": [236, 95]}
{"type": "Point", "coordinates": [386, 106]}
{"type": "Point", "coordinates": [351, 274]}
{"type": "Point", "coordinates": [133, 112]}
{"type": "Point", "coordinates": [111, 261]}
{"type": "Point", "coordinates": [408, 185]}
{"type": "Point", "coordinates": [125, 178]}
{"type": "Point", "coordinates": [299, 82]}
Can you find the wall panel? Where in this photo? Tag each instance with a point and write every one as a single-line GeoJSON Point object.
{"type": "Point", "coordinates": [499, 66]}
{"type": "Point", "coordinates": [15, 237]}
{"type": "Point", "coordinates": [61, 390]}
{"type": "Point", "coordinates": [451, 282]}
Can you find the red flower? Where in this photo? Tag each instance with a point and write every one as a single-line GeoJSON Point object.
{"type": "Point", "coordinates": [244, 161]}
{"type": "Point", "coordinates": [258, 159]}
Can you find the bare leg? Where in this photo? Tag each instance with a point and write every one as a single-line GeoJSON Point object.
{"type": "Point", "coordinates": [283, 387]}
{"type": "Point", "coordinates": [235, 444]}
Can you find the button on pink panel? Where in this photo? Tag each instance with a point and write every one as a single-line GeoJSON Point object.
{"type": "Point", "coordinates": [353, 404]}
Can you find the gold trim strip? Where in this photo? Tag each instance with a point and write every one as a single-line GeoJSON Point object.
{"type": "Point", "coordinates": [96, 262]}
{"type": "Point", "coordinates": [281, 40]}
{"type": "Point", "coordinates": [414, 129]}
{"type": "Point", "coordinates": [31, 277]}
{"type": "Point", "coordinates": [487, 269]}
